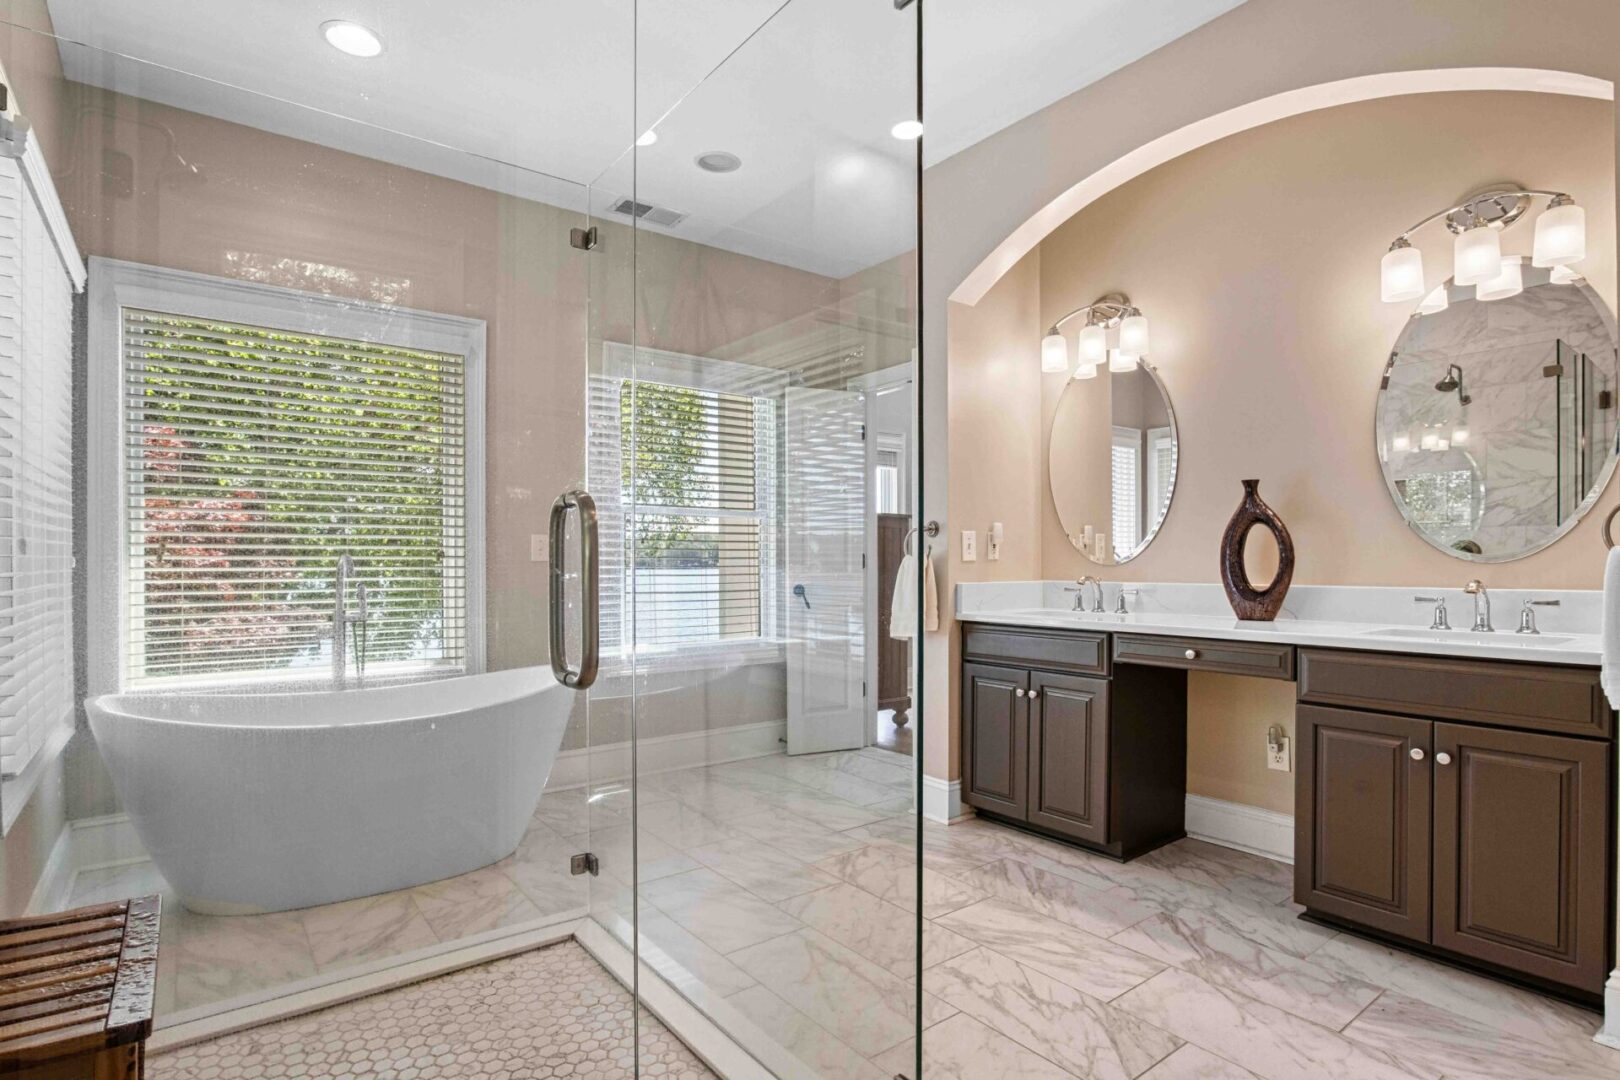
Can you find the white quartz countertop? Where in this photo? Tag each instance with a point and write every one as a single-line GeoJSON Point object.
{"type": "Point", "coordinates": [1551, 646]}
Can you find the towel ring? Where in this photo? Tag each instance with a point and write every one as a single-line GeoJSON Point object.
{"type": "Point", "coordinates": [932, 529]}
{"type": "Point", "coordinates": [1608, 528]}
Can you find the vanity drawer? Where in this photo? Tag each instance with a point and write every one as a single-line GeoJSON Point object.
{"type": "Point", "coordinates": [1541, 697]}
{"type": "Point", "coordinates": [1197, 654]}
{"type": "Point", "coordinates": [1054, 650]}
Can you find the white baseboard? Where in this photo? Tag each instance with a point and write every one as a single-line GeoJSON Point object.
{"type": "Point", "coordinates": [942, 800]}
{"type": "Point", "coordinates": [662, 753]}
{"type": "Point", "coordinates": [86, 844]}
{"type": "Point", "coordinates": [1609, 1034]}
{"type": "Point", "coordinates": [1246, 828]}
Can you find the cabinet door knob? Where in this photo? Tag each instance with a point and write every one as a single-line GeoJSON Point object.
{"type": "Point", "coordinates": [1033, 694]}
{"type": "Point", "coordinates": [1416, 753]}
{"type": "Point", "coordinates": [1443, 758]}
{"type": "Point", "coordinates": [1019, 691]}
{"type": "Point", "coordinates": [1191, 654]}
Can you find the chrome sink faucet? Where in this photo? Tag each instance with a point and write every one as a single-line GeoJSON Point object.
{"type": "Point", "coordinates": [1527, 617]}
{"type": "Point", "coordinates": [1441, 622]}
{"type": "Point", "coordinates": [342, 618]}
{"type": "Point", "coordinates": [1079, 590]}
{"type": "Point", "coordinates": [1482, 606]}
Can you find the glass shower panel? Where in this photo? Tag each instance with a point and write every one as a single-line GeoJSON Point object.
{"type": "Point", "coordinates": [768, 402]}
{"type": "Point", "coordinates": [331, 377]}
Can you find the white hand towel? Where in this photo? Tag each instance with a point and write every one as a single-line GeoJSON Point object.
{"type": "Point", "coordinates": [903, 609]}
{"type": "Point", "coordinates": [930, 593]}
{"type": "Point", "coordinates": [1611, 627]}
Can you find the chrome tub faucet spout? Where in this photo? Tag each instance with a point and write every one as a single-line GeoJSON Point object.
{"type": "Point", "coordinates": [343, 618]}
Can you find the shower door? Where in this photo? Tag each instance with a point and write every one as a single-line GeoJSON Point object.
{"type": "Point", "coordinates": [773, 217]}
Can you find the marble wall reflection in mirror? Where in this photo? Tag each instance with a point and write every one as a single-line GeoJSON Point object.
{"type": "Point", "coordinates": [1112, 460]}
{"type": "Point", "coordinates": [1496, 419]}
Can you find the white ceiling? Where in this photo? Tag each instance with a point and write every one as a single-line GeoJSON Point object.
{"type": "Point", "coordinates": [540, 97]}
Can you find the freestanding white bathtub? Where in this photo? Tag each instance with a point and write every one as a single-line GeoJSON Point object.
{"type": "Point", "coordinates": [264, 802]}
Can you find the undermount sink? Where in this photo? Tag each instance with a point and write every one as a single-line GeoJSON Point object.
{"type": "Point", "coordinates": [1471, 636]}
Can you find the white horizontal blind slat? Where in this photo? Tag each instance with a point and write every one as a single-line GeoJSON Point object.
{"type": "Point", "coordinates": [255, 457]}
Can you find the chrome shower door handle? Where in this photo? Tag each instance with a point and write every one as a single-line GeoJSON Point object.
{"type": "Point", "coordinates": [589, 610]}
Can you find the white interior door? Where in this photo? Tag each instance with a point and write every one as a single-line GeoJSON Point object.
{"type": "Point", "coordinates": [826, 575]}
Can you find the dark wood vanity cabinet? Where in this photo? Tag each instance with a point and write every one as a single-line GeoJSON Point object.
{"type": "Point", "coordinates": [1048, 745]}
{"type": "Point", "coordinates": [1443, 809]}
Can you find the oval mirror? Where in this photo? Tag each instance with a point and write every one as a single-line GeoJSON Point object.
{"type": "Point", "coordinates": [1496, 419]}
{"type": "Point", "coordinates": [1112, 460]}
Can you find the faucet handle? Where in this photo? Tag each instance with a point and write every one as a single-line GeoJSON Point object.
{"type": "Point", "coordinates": [1527, 616]}
{"type": "Point", "coordinates": [1441, 622]}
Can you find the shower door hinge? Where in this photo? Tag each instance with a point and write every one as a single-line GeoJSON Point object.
{"type": "Point", "coordinates": [584, 239]}
{"type": "Point", "coordinates": [584, 863]}
{"type": "Point", "coordinates": [863, 433]}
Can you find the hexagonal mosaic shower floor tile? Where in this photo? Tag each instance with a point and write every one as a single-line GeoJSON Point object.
{"type": "Point", "coordinates": [553, 1012]}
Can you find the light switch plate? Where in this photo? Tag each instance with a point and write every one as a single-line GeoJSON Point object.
{"type": "Point", "coordinates": [539, 547]}
{"type": "Point", "coordinates": [970, 545]}
{"type": "Point", "coordinates": [1279, 757]}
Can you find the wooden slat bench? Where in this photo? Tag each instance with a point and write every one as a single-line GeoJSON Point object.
{"type": "Point", "coordinates": [76, 992]}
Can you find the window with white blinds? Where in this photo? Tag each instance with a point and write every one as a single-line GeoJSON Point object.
{"type": "Point", "coordinates": [698, 468]}
{"type": "Point", "coordinates": [36, 480]}
{"type": "Point", "coordinates": [265, 433]}
{"type": "Point", "coordinates": [1127, 490]}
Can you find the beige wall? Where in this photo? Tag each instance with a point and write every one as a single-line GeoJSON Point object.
{"type": "Point", "coordinates": [1262, 48]}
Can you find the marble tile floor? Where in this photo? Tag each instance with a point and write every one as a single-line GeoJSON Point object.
{"type": "Point", "coordinates": [785, 889]}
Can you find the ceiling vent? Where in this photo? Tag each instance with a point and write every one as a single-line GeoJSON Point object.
{"type": "Point", "coordinates": [653, 215]}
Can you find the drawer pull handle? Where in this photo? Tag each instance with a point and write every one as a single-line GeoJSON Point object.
{"type": "Point", "coordinates": [1191, 654]}
{"type": "Point", "coordinates": [1416, 753]}
{"type": "Point", "coordinates": [1443, 758]}
{"type": "Point", "coordinates": [1019, 691]}
{"type": "Point", "coordinates": [1033, 694]}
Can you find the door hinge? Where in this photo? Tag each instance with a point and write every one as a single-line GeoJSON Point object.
{"type": "Point", "coordinates": [584, 863]}
{"type": "Point", "coordinates": [583, 239]}
{"type": "Point", "coordinates": [863, 433]}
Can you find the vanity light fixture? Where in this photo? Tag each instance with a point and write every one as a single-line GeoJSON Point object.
{"type": "Point", "coordinates": [1115, 333]}
{"type": "Point", "coordinates": [1564, 275]}
{"type": "Point", "coordinates": [1436, 302]}
{"type": "Point", "coordinates": [1477, 223]}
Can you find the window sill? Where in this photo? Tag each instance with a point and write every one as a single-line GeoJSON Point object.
{"type": "Point", "coordinates": [296, 682]}
{"type": "Point", "coordinates": [17, 790]}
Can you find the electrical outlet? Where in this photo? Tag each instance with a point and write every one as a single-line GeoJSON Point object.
{"type": "Point", "coordinates": [970, 545]}
{"type": "Point", "coordinates": [539, 547]}
{"type": "Point", "coordinates": [1278, 756]}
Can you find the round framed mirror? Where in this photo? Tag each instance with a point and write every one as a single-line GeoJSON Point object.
{"type": "Point", "coordinates": [1112, 460]}
{"type": "Point", "coordinates": [1496, 419]}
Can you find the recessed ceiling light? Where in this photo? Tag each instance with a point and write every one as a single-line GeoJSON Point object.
{"type": "Point", "coordinates": [718, 161]}
{"type": "Point", "coordinates": [648, 137]}
{"type": "Point", "coordinates": [907, 129]}
{"type": "Point", "coordinates": [352, 38]}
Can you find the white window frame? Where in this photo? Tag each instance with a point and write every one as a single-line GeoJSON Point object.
{"type": "Point", "coordinates": [625, 362]}
{"type": "Point", "coordinates": [1132, 438]}
{"type": "Point", "coordinates": [115, 285]}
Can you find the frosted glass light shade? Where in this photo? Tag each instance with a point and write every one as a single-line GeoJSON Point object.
{"type": "Point", "coordinates": [1436, 302]}
{"type": "Point", "coordinates": [1119, 360]}
{"type": "Point", "coordinates": [1133, 335]}
{"type": "Point", "coordinates": [1476, 256]}
{"type": "Point", "coordinates": [1093, 345]}
{"type": "Point", "coordinates": [1054, 353]}
{"type": "Point", "coordinates": [1086, 371]}
{"type": "Point", "coordinates": [1459, 437]}
{"type": "Point", "coordinates": [1560, 236]}
{"type": "Point", "coordinates": [1509, 281]}
{"type": "Point", "coordinates": [1564, 275]}
{"type": "Point", "coordinates": [1401, 275]}
{"type": "Point", "coordinates": [1401, 444]}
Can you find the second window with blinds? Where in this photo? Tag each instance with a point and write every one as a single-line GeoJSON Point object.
{"type": "Point", "coordinates": [251, 436]}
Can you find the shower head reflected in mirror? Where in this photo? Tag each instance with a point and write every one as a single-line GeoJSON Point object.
{"type": "Point", "coordinates": [1453, 380]}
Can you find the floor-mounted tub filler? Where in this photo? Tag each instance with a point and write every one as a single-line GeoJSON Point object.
{"type": "Point", "coordinates": [267, 802]}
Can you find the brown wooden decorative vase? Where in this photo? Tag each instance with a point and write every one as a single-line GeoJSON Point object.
{"type": "Point", "coordinates": [1260, 605]}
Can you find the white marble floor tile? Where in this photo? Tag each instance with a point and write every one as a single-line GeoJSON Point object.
{"type": "Point", "coordinates": [219, 957]}
{"type": "Point", "coordinates": [370, 928]}
{"type": "Point", "coordinates": [676, 953]}
{"type": "Point", "coordinates": [572, 811]}
{"type": "Point", "coordinates": [723, 915]}
{"type": "Point", "coordinates": [1085, 1036]}
{"type": "Point", "coordinates": [685, 827]}
{"type": "Point", "coordinates": [1103, 912]}
{"type": "Point", "coordinates": [1088, 963]}
{"type": "Point", "coordinates": [1269, 1042]}
{"type": "Point", "coordinates": [804, 840]}
{"type": "Point", "coordinates": [1443, 1043]}
{"type": "Point", "coordinates": [473, 903]}
{"type": "Point", "coordinates": [889, 872]}
{"type": "Point", "coordinates": [859, 1002]}
{"type": "Point", "coordinates": [1195, 1063]}
{"type": "Point", "coordinates": [762, 869]}
{"type": "Point", "coordinates": [117, 883]}
{"type": "Point", "coordinates": [962, 1048]}
{"type": "Point", "coordinates": [814, 1046]}
{"type": "Point", "coordinates": [539, 867]}
{"type": "Point", "coordinates": [654, 857]}
{"type": "Point", "coordinates": [880, 931]}
{"type": "Point", "coordinates": [825, 810]}
{"type": "Point", "coordinates": [1210, 866]}
{"type": "Point", "coordinates": [1222, 959]}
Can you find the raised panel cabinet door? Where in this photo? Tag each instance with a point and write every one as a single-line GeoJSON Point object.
{"type": "Point", "coordinates": [1361, 836]}
{"type": "Point", "coordinates": [1068, 755]}
{"type": "Point", "coordinates": [1521, 872]}
{"type": "Point", "coordinates": [996, 719]}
